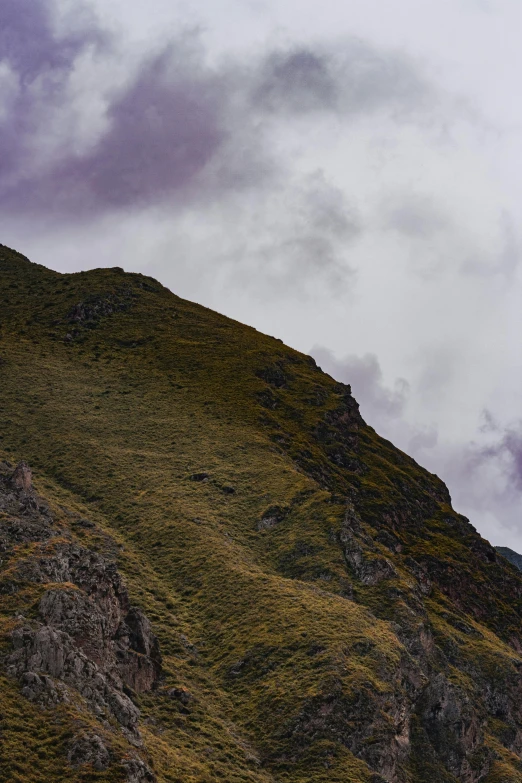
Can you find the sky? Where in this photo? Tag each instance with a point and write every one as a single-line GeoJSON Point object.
{"type": "Point", "coordinates": [344, 176]}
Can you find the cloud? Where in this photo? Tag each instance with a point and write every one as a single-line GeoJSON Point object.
{"type": "Point", "coordinates": [415, 216]}
{"type": "Point", "coordinates": [349, 78]}
{"type": "Point", "coordinates": [299, 81]}
{"type": "Point", "coordinates": [308, 240]}
{"type": "Point", "coordinates": [507, 257]}
{"type": "Point", "coordinates": [504, 453]}
{"type": "Point", "coordinates": [34, 46]}
{"type": "Point", "coordinates": [79, 139]}
{"type": "Point", "coordinates": [37, 63]}
{"type": "Point", "coordinates": [437, 238]}
{"type": "Point", "coordinates": [160, 132]}
{"type": "Point", "coordinates": [289, 241]}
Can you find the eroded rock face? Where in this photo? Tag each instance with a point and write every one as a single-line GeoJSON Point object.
{"type": "Point", "coordinates": [454, 726]}
{"type": "Point", "coordinates": [46, 659]}
{"type": "Point", "coordinates": [89, 749]}
{"type": "Point", "coordinates": [379, 737]}
{"type": "Point", "coordinates": [87, 640]}
{"type": "Point", "coordinates": [370, 567]}
{"type": "Point", "coordinates": [138, 772]}
{"type": "Point", "coordinates": [110, 632]}
{"type": "Point", "coordinates": [97, 615]}
{"type": "Point", "coordinates": [98, 306]}
{"type": "Point", "coordinates": [22, 477]}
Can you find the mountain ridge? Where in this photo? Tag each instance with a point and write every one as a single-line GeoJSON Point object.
{"type": "Point", "coordinates": [510, 555]}
{"type": "Point", "coordinates": [319, 606]}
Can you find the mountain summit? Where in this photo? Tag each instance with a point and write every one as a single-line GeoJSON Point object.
{"type": "Point", "coordinates": [214, 569]}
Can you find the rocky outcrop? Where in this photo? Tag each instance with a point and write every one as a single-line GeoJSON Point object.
{"type": "Point", "coordinates": [369, 567]}
{"type": "Point", "coordinates": [87, 641]}
{"type": "Point", "coordinates": [138, 772]}
{"type": "Point", "coordinates": [97, 306]}
{"type": "Point", "coordinates": [454, 726]}
{"type": "Point", "coordinates": [90, 749]}
{"type": "Point", "coordinates": [49, 663]}
{"type": "Point", "coordinates": [375, 727]}
{"type": "Point", "coordinates": [97, 616]}
{"type": "Point", "coordinates": [22, 477]}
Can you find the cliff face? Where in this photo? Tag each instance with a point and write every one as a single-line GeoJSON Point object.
{"type": "Point", "coordinates": [222, 572]}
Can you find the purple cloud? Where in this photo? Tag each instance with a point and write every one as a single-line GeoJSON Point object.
{"type": "Point", "coordinates": [31, 45]}
{"type": "Point", "coordinates": [37, 63]}
{"type": "Point", "coordinates": [178, 130]}
{"type": "Point", "coordinates": [162, 132]}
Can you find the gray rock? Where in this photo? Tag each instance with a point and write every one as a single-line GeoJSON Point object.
{"type": "Point", "coordinates": [46, 659]}
{"type": "Point", "coordinates": [369, 568]}
{"type": "Point", "coordinates": [89, 749]}
{"type": "Point", "coordinates": [183, 695]}
{"type": "Point", "coordinates": [87, 640]}
{"type": "Point", "coordinates": [98, 616]}
{"type": "Point", "coordinates": [22, 477]}
{"type": "Point", "coordinates": [138, 772]}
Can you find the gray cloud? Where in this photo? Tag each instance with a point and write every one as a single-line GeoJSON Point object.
{"type": "Point", "coordinates": [507, 257]}
{"type": "Point", "coordinates": [161, 132]}
{"type": "Point", "coordinates": [299, 240]}
{"type": "Point", "coordinates": [415, 215]}
{"type": "Point", "coordinates": [325, 209]}
{"type": "Point", "coordinates": [438, 238]}
{"type": "Point", "coordinates": [299, 81]}
{"type": "Point", "coordinates": [504, 452]}
{"type": "Point", "coordinates": [33, 47]}
{"type": "Point", "coordinates": [37, 65]}
{"type": "Point", "coordinates": [383, 79]}
{"type": "Point", "coordinates": [350, 77]}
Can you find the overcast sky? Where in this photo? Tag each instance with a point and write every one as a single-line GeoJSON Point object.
{"type": "Point", "coordinates": [345, 176]}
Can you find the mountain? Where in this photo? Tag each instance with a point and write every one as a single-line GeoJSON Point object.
{"type": "Point", "coordinates": [510, 555]}
{"type": "Point", "coordinates": [213, 569]}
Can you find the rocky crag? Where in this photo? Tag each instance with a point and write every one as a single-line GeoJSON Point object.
{"type": "Point", "coordinates": [311, 607]}
{"type": "Point", "coordinates": [82, 644]}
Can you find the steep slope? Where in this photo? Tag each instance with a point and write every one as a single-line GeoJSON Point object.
{"type": "Point", "coordinates": [510, 555]}
{"type": "Point", "coordinates": [321, 612]}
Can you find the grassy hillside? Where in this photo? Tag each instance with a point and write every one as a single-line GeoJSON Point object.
{"type": "Point", "coordinates": [332, 618]}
